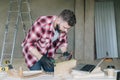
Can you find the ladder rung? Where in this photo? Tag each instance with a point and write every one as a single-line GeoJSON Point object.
{"type": "Point", "coordinates": [18, 0]}
{"type": "Point", "coordinates": [24, 2]}
{"type": "Point", "coordinates": [21, 22]}
{"type": "Point", "coordinates": [26, 21]}
{"type": "Point", "coordinates": [25, 12]}
{"type": "Point", "coordinates": [11, 21]}
{"type": "Point", "coordinates": [13, 11]}
{"type": "Point", "coordinates": [8, 43]}
{"type": "Point", "coordinates": [14, 1]}
{"type": "Point", "coordinates": [17, 12]}
{"type": "Point", "coordinates": [6, 55]}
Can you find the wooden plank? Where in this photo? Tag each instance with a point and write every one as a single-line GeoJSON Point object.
{"type": "Point", "coordinates": [64, 67]}
{"type": "Point", "coordinates": [60, 69]}
{"type": "Point", "coordinates": [24, 74]}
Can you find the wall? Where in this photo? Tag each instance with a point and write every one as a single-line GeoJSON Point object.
{"type": "Point", "coordinates": [38, 8]}
{"type": "Point", "coordinates": [79, 30]}
{"type": "Point", "coordinates": [84, 30]}
{"type": "Point", "coordinates": [82, 40]}
{"type": "Point", "coordinates": [3, 14]}
{"type": "Point", "coordinates": [89, 30]}
{"type": "Point", "coordinates": [117, 13]}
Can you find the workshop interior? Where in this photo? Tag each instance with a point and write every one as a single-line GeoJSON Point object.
{"type": "Point", "coordinates": [94, 40]}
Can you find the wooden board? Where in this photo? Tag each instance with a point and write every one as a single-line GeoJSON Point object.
{"type": "Point", "coordinates": [64, 67]}
{"type": "Point", "coordinates": [60, 69]}
{"type": "Point", "coordinates": [24, 74]}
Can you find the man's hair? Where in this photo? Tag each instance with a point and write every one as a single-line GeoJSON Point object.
{"type": "Point", "coordinates": [68, 16]}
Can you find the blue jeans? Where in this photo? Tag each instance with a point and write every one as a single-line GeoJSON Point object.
{"type": "Point", "coordinates": [36, 66]}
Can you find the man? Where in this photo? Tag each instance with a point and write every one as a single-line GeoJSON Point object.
{"type": "Point", "coordinates": [46, 35]}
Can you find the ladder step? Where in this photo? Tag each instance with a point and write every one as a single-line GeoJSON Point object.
{"type": "Point", "coordinates": [20, 22]}
{"type": "Point", "coordinates": [17, 1]}
{"type": "Point", "coordinates": [8, 43]}
{"type": "Point", "coordinates": [6, 55]}
{"type": "Point", "coordinates": [25, 12]}
{"type": "Point", "coordinates": [24, 2]}
{"type": "Point", "coordinates": [13, 11]}
{"type": "Point", "coordinates": [14, 1]}
{"type": "Point", "coordinates": [11, 21]}
{"type": "Point", "coordinates": [17, 12]}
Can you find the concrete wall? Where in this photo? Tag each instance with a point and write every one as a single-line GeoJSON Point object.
{"type": "Point", "coordinates": [3, 9]}
{"type": "Point", "coordinates": [38, 8]}
{"type": "Point", "coordinates": [80, 37]}
{"type": "Point", "coordinates": [89, 30]}
{"type": "Point", "coordinates": [117, 18]}
{"type": "Point", "coordinates": [79, 30]}
{"type": "Point", "coordinates": [84, 30]}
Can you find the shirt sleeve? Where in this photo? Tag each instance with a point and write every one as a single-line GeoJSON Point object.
{"type": "Point", "coordinates": [33, 34]}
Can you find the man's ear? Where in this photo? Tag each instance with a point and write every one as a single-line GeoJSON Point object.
{"type": "Point", "coordinates": [58, 20]}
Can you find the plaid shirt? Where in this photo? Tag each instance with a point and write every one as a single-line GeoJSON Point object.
{"type": "Point", "coordinates": [40, 37]}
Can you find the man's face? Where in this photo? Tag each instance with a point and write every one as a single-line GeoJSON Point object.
{"type": "Point", "coordinates": [63, 25]}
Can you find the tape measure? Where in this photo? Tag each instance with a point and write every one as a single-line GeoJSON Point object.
{"type": "Point", "coordinates": [6, 62]}
{"type": "Point", "coordinates": [7, 67]}
{"type": "Point", "coordinates": [4, 69]}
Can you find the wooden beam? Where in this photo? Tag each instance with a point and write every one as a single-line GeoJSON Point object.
{"type": "Point", "coordinates": [60, 69]}
{"type": "Point", "coordinates": [64, 67]}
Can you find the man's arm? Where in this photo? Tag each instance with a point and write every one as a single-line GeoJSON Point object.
{"type": "Point", "coordinates": [35, 53]}
{"type": "Point", "coordinates": [32, 37]}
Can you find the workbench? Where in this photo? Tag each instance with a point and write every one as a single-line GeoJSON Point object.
{"type": "Point", "coordinates": [51, 77]}
{"type": "Point", "coordinates": [61, 73]}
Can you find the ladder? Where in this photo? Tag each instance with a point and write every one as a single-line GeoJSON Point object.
{"type": "Point", "coordinates": [18, 9]}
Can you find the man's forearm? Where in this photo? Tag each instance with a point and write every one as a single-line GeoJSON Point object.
{"type": "Point", "coordinates": [35, 53]}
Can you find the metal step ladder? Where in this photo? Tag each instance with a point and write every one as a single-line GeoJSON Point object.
{"type": "Point", "coordinates": [18, 9]}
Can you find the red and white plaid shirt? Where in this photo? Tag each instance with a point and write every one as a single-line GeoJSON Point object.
{"type": "Point", "coordinates": [40, 37]}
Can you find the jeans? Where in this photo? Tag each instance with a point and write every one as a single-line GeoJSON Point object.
{"type": "Point", "coordinates": [36, 66]}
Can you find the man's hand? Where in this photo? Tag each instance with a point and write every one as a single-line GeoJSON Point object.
{"type": "Point", "coordinates": [67, 55]}
{"type": "Point", "coordinates": [47, 63]}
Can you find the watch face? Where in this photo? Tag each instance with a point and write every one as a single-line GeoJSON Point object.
{"type": "Point", "coordinates": [118, 75]}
